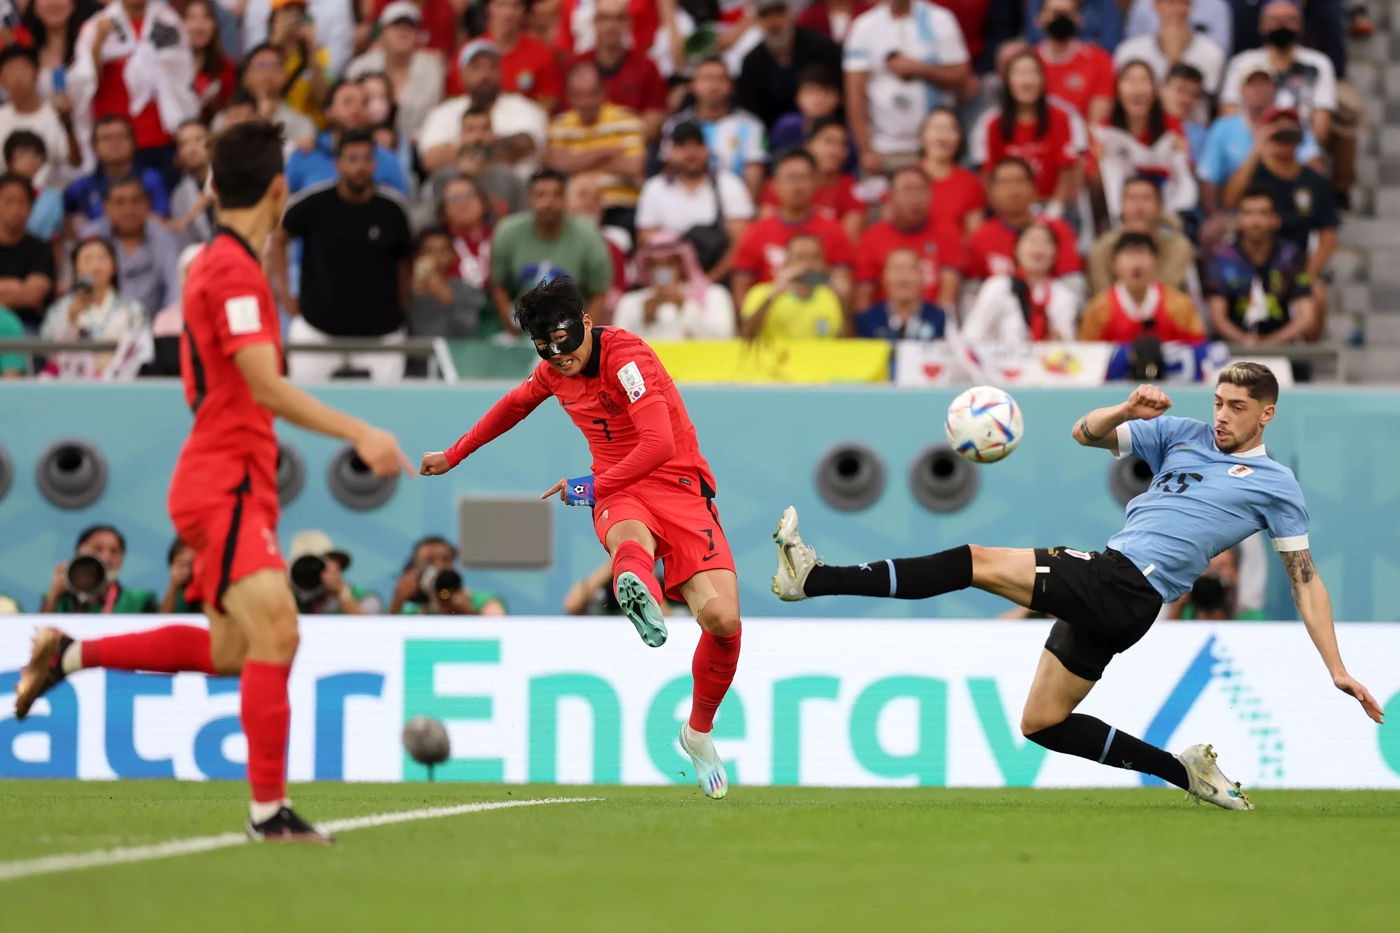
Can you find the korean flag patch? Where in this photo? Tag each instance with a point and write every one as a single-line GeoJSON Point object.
{"type": "Point", "coordinates": [243, 315]}
{"type": "Point", "coordinates": [632, 383]}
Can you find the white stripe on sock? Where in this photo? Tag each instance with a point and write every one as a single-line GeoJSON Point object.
{"type": "Point", "coordinates": [890, 564]}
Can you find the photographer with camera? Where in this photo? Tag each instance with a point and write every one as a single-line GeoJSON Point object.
{"type": "Point", "coordinates": [88, 582]}
{"type": "Point", "coordinates": [431, 585]}
{"type": "Point", "coordinates": [315, 568]}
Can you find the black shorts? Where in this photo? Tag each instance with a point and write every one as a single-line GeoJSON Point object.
{"type": "Point", "coordinates": [1102, 603]}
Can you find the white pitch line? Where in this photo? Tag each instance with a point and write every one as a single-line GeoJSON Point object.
{"type": "Point", "coordinates": [60, 863]}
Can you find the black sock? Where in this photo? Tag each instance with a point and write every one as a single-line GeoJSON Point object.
{"type": "Point", "coordinates": [901, 578]}
{"type": "Point", "coordinates": [1087, 737]}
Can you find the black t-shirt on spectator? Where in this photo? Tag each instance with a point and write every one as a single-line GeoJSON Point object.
{"type": "Point", "coordinates": [1304, 203]}
{"type": "Point", "coordinates": [768, 90]}
{"type": "Point", "coordinates": [350, 259]}
{"type": "Point", "coordinates": [21, 260]}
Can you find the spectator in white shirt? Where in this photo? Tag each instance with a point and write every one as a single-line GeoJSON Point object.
{"type": "Point", "coordinates": [902, 59]}
{"type": "Point", "coordinates": [518, 123]}
{"type": "Point", "coordinates": [19, 75]}
{"type": "Point", "coordinates": [1175, 42]}
{"type": "Point", "coordinates": [1307, 82]}
{"type": "Point", "coordinates": [415, 73]}
{"type": "Point", "coordinates": [1213, 19]}
{"type": "Point", "coordinates": [1031, 305]}
{"type": "Point", "coordinates": [678, 302]}
{"type": "Point", "coordinates": [692, 202]}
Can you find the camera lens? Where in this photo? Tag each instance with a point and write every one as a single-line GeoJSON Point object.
{"type": "Point", "coordinates": [447, 583]}
{"type": "Point", "coordinates": [306, 572]}
{"type": "Point", "coordinates": [86, 575]}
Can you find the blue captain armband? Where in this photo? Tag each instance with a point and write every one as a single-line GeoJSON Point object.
{"type": "Point", "coordinates": [580, 491]}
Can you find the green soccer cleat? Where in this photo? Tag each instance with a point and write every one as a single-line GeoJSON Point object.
{"type": "Point", "coordinates": [795, 559]}
{"type": "Point", "coordinates": [640, 606]}
{"type": "Point", "coordinates": [709, 770]}
{"type": "Point", "coordinates": [1208, 783]}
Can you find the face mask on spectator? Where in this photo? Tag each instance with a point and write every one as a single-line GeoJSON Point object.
{"type": "Point", "coordinates": [378, 110]}
{"type": "Point", "coordinates": [1284, 37]}
{"type": "Point", "coordinates": [1061, 28]}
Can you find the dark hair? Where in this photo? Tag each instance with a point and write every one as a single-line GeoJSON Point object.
{"type": "Point", "coordinates": [244, 161]}
{"type": "Point", "coordinates": [241, 97]}
{"type": "Point", "coordinates": [176, 547]}
{"type": "Point", "coordinates": [107, 119]}
{"type": "Point", "coordinates": [424, 542]}
{"type": "Point", "coordinates": [713, 60]}
{"type": "Point", "coordinates": [909, 170]}
{"type": "Point", "coordinates": [1156, 116]}
{"type": "Point", "coordinates": [429, 233]}
{"type": "Point", "coordinates": [1256, 378]}
{"type": "Point", "coordinates": [339, 85]}
{"type": "Point", "coordinates": [961, 151]}
{"type": "Point", "coordinates": [538, 310]}
{"type": "Point", "coordinates": [1044, 228]}
{"type": "Point", "coordinates": [214, 58]}
{"type": "Point", "coordinates": [796, 152]}
{"type": "Point", "coordinates": [111, 254]}
{"type": "Point", "coordinates": [88, 532]}
{"type": "Point", "coordinates": [1017, 161]}
{"type": "Point", "coordinates": [1144, 180]}
{"type": "Point", "coordinates": [1252, 193]}
{"type": "Point", "coordinates": [1131, 239]}
{"type": "Point", "coordinates": [583, 64]}
{"type": "Point", "coordinates": [24, 139]}
{"type": "Point", "coordinates": [1009, 104]}
{"type": "Point", "coordinates": [124, 181]}
{"type": "Point", "coordinates": [826, 123]}
{"type": "Point", "coordinates": [819, 74]}
{"type": "Point", "coordinates": [10, 178]}
{"type": "Point", "coordinates": [1186, 73]}
{"type": "Point", "coordinates": [353, 138]}
{"type": "Point", "coordinates": [549, 174]}
{"type": "Point", "coordinates": [83, 10]}
{"type": "Point", "coordinates": [488, 217]}
{"type": "Point", "coordinates": [15, 51]}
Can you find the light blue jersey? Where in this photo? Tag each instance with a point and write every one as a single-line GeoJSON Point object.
{"type": "Point", "coordinates": [1201, 502]}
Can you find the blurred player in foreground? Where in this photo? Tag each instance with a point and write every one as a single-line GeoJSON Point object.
{"type": "Point", "coordinates": [223, 494]}
{"type": "Point", "coordinates": [651, 491]}
{"type": "Point", "coordinates": [1211, 489]}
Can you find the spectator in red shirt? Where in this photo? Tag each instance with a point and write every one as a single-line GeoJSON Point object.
{"type": "Point", "coordinates": [835, 197]}
{"type": "Point", "coordinates": [763, 248]}
{"type": "Point", "coordinates": [938, 244]}
{"type": "Point", "coordinates": [629, 76]}
{"type": "Point", "coordinates": [133, 60]}
{"type": "Point", "coordinates": [1026, 126]}
{"type": "Point", "coordinates": [215, 76]}
{"type": "Point", "coordinates": [972, 17]}
{"type": "Point", "coordinates": [992, 249]}
{"type": "Point", "coordinates": [1078, 73]}
{"type": "Point", "coordinates": [528, 66]}
{"type": "Point", "coordinates": [956, 194]}
{"type": "Point", "coordinates": [466, 216]}
{"type": "Point", "coordinates": [833, 18]}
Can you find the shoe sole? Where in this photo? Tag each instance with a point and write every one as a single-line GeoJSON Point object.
{"type": "Point", "coordinates": [636, 602]}
{"type": "Point", "coordinates": [1230, 791]}
{"type": "Point", "coordinates": [783, 562]}
{"type": "Point", "coordinates": [31, 679]}
{"type": "Point", "coordinates": [313, 839]}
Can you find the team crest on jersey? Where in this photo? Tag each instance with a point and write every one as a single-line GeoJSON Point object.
{"type": "Point", "coordinates": [609, 405]}
{"type": "Point", "coordinates": [1074, 81]}
{"type": "Point", "coordinates": [1239, 470]}
{"type": "Point", "coordinates": [632, 382]}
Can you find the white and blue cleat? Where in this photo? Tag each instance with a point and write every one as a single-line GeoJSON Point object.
{"type": "Point", "coordinates": [640, 607]}
{"type": "Point", "coordinates": [709, 770]}
{"type": "Point", "coordinates": [1208, 782]}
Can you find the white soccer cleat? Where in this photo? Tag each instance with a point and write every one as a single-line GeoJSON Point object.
{"type": "Point", "coordinates": [1208, 783]}
{"type": "Point", "coordinates": [795, 559]}
{"type": "Point", "coordinates": [709, 770]}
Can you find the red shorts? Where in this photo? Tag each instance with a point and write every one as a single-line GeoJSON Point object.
{"type": "Point", "coordinates": [234, 535]}
{"type": "Point", "coordinates": [686, 526]}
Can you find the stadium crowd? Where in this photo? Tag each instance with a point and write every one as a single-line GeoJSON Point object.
{"type": "Point", "coordinates": [1097, 170]}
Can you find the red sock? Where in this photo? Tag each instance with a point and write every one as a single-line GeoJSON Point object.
{"type": "Point", "coordinates": [168, 650]}
{"type": "Point", "coordinates": [716, 657]}
{"type": "Point", "coordinates": [632, 556]}
{"type": "Point", "coordinates": [266, 716]}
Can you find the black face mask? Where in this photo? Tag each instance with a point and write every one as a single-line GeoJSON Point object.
{"type": "Point", "coordinates": [1281, 38]}
{"type": "Point", "coordinates": [1061, 28]}
{"type": "Point", "coordinates": [569, 344]}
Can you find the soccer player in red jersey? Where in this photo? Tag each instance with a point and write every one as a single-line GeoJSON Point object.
{"type": "Point", "coordinates": [1079, 73]}
{"type": "Point", "coordinates": [651, 491]}
{"type": "Point", "coordinates": [223, 494]}
{"type": "Point", "coordinates": [937, 242]}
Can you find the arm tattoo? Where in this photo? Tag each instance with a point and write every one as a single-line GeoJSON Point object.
{"type": "Point", "coordinates": [1089, 435]}
{"type": "Point", "coordinates": [1299, 565]}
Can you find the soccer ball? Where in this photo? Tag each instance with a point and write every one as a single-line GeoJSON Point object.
{"type": "Point", "coordinates": [426, 741]}
{"type": "Point", "coordinates": [984, 424]}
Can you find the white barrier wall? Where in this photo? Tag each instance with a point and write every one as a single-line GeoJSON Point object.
{"type": "Point", "coordinates": [820, 702]}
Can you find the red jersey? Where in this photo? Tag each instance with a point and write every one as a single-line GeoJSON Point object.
{"type": "Point", "coordinates": [763, 248]}
{"type": "Point", "coordinates": [833, 200]}
{"type": "Point", "coordinates": [1047, 155]}
{"type": "Point", "coordinates": [112, 97]}
{"type": "Point", "coordinates": [992, 248]}
{"type": "Point", "coordinates": [1085, 74]}
{"type": "Point", "coordinates": [1124, 327]}
{"type": "Point", "coordinates": [531, 69]}
{"type": "Point", "coordinates": [228, 305]}
{"type": "Point", "coordinates": [622, 380]}
{"type": "Point", "coordinates": [634, 82]}
{"type": "Point", "coordinates": [956, 196]}
{"type": "Point", "coordinates": [939, 245]}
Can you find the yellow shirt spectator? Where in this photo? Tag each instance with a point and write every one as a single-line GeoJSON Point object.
{"type": "Point", "coordinates": [794, 317]}
{"type": "Point", "coordinates": [616, 128]}
{"type": "Point", "coordinates": [298, 93]}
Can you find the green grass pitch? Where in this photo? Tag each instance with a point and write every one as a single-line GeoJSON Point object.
{"type": "Point", "coordinates": [663, 859]}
